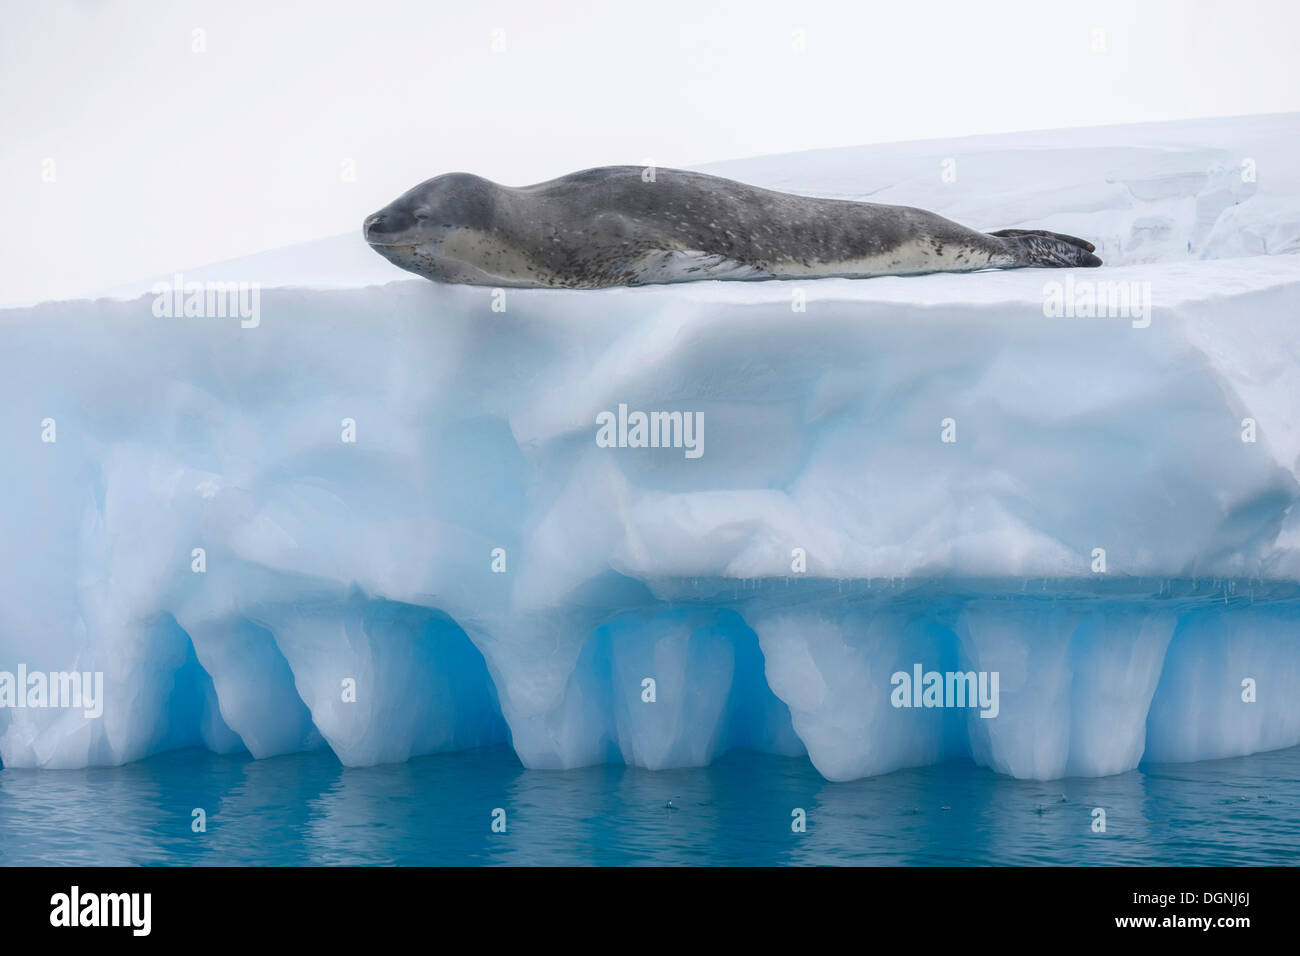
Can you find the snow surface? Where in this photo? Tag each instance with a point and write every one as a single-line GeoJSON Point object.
{"type": "Point", "coordinates": [475, 430]}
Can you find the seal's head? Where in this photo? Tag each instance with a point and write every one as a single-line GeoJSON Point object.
{"type": "Point", "coordinates": [413, 230]}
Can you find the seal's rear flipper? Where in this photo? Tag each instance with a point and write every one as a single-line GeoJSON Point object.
{"type": "Point", "coordinates": [1047, 251]}
{"type": "Point", "coordinates": [1072, 240]}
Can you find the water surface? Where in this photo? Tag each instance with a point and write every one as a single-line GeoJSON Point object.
{"type": "Point", "coordinates": [438, 810]}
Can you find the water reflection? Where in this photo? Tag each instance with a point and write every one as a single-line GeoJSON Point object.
{"type": "Point", "coordinates": [308, 809]}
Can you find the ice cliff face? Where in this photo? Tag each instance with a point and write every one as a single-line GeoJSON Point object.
{"type": "Point", "coordinates": [387, 520]}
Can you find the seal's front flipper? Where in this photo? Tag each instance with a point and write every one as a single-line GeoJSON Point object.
{"type": "Point", "coordinates": [689, 265]}
{"type": "Point", "coordinates": [1083, 244]}
{"type": "Point", "coordinates": [1049, 252]}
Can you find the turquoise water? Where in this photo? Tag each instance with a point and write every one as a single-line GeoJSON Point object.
{"type": "Point", "coordinates": [308, 809]}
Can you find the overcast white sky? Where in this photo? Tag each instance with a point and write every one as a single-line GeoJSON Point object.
{"type": "Point", "coordinates": [165, 158]}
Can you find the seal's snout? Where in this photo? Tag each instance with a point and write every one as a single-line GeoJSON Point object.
{"type": "Point", "coordinates": [373, 227]}
{"type": "Point", "coordinates": [382, 227]}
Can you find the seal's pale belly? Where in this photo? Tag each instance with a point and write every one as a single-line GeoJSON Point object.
{"type": "Point", "coordinates": [478, 258]}
{"type": "Point", "coordinates": [913, 257]}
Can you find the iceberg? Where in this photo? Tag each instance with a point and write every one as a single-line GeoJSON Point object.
{"type": "Point", "coordinates": [381, 518]}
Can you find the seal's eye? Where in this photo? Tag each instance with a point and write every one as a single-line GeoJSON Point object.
{"type": "Point", "coordinates": [421, 215]}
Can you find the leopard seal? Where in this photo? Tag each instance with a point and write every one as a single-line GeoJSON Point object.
{"type": "Point", "coordinates": [617, 226]}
